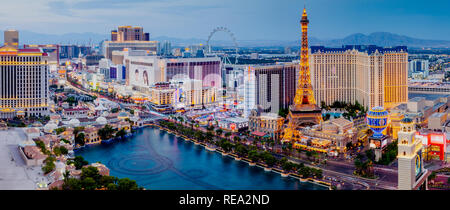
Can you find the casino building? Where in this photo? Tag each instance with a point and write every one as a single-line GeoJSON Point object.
{"type": "Point", "coordinates": [270, 87]}
{"type": "Point", "coordinates": [372, 75]}
{"type": "Point", "coordinates": [143, 71]}
{"type": "Point", "coordinates": [24, 82]}
{"type": "Point", "coordinates": [131, 38]}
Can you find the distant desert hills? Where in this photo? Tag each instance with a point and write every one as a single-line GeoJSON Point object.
{"type": "Point", "coordinates": [378, 38]}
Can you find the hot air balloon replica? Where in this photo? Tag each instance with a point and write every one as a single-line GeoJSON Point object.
{"type": "Point", "coordinates": [377, 120]}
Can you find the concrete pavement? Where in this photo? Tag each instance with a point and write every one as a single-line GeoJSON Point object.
{"type": "Point", "coordinates": [14, 174]}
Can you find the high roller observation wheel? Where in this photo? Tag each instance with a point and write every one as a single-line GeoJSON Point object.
{"type": "Point", "coordinates": [226, 30]}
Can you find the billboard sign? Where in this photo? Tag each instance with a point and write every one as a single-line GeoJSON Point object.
{"type": "Point", "coordinates": [384, 143]}
{"type": "Point", "coordinates": [375, 143]}
{"type": "Point", "coordinates": [422, 138]}
{"type": "Point", "coordinates": [418, 164]}
{"type": "Point", "coordinates": [437, 138]}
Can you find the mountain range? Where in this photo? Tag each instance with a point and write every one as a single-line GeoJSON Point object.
{"type": "Point", "coordinates": [378, 38]}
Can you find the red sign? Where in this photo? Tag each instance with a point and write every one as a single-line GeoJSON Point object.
{"type": "Point", "coordinates": [437, 138]}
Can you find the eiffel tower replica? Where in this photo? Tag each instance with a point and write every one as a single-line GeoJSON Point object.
{"type": "Point", "coordinates": [304, 111]}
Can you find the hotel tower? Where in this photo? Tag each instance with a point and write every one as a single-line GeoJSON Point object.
{"type": "Point", "coordinates": [23, 81]}
{"type": "Point", "coordinates": [372, 75]}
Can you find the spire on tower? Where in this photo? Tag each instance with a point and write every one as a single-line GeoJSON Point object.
{"type": "Point", "coordinates": [304, 16]}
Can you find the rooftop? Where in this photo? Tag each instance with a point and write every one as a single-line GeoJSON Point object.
{"type": "Point", "coordinates": [428, 84]}
{"type": "Point", "coordinates": [438, 114]}
{"type": "Point", "coordinates": [370, 49]}
{"type": "Point", "coordinates": [416, 99]}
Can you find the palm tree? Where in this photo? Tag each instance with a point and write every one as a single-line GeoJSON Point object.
{"type": "Point", "coordinates": [237, 139]}
{"type": "Point", "coordinates": [309, 154]}
{"type": "Point", "coordinates": [227, 135]}
{"type": "Point", "coordinates": [219, 132]}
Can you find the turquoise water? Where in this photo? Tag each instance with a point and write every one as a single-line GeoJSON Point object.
{"type": "Point", "coordinates": [334, 114]}
{"type": "Point", "coordinates": [161, 161]}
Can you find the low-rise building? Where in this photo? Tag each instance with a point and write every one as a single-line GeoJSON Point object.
{"type": "Point", "coordinates": [162, 97]}
{"type": "Point", "coordinates": [91, 135]}
{"type": "Point", "coordinates": [233, 124]}
{"type": "Point", "coordinates": [124, 125]}
{"type": "Point", "coordinates": [436, 121]}
{"type": "Point", "coordinates": [32, 155]}
{"type": "Point", "coordinates": [267, 123]}
{"type": "Point", "coordinates": [329, 136]}
{"type": "Point", "coordinates": [32, 133]}
{"type": "Point", "coordinates": [102, 169]}
{"type": "Point", "coordinates": [394, 127]}
{"type": "Point", "coordinates": [76, 112]}
{"type": "Point", "coordinates": [49, 140]}
{"type": "Point", "coordinates": [3, 126]}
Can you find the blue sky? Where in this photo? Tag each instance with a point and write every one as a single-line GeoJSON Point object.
{"type": "Point", "coordinates": [248, 19]}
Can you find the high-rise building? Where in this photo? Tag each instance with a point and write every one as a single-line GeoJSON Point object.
{"type": "Point", "coordinates": [144, 71]}
{"type": "Point", "coordinates": [127, 37]}
{"type": "Point", "coordinates": [73, 51]}
{"type": "Point", "coordinates": [304, 111]}
{"type": "Point", "coordinates": [52, 51]}
{"type": "Point", "coordinates": [274, 86]}
{"type": "Point", "coordinates": [373, 76]}
{"type": "Point", "coordinates": [164, 48]}
{"type": "Point", "coordinates": [418, 65]}
{"type": "Point", "coordinates": [24, 82]}
{"type": "Point", "coordinates": [129, 33]}
{"type": "Point", "coordinates": [411, 173]}
{"type": "Point", "coordinates": [11, 38]}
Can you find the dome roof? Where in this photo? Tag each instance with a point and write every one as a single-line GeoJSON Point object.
{"type": "Point", "coordinates": [123, 114]}
{"type": "Point", "coordinates": [74, 122]}
{"type": "Point", "coordinates": [50, 126]}
{"type": "Point", "coordinates": [407, 120]}
{"type": "Point", "coordinates": [37, 124]}
{"type": "Point", "coordinates": [134, 118]}
{"type": "Point", "coordinates": [101, 121]}
{"type": "Point", "coordinates": [105, 114]}
{"type": "Point", "coordinates": [100, 107]}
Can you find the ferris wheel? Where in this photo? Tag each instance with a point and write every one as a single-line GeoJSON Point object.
{"type": "Point", "coordinates": [225, 58]}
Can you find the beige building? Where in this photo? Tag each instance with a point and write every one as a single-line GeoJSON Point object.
{"type": "Point", "coordinates": [148, 46]}
{"type": "Point", "coordinates": [194, 94]}
{"type": "Point", "coordinates": [129, 33]}
{"type": "Point", "coordinates": [437, 120]}
{"type": "Point", "coordinates": [373, 76]}
{"type": "Point", "coordinates": [268, 123]}
{"type": "Point", "coordinates": [91, 135]}
{"type": "Point", "coordinates": [11, 38]}
{"type": "Point", "coordinates": [128, 37]}
{"type": "Point", "coordinates": [162, 96]}
{"type": "Point", "coordinates": [24, 82]}
{"type": "Point", "coordinates": [331, 135]}
{"type": "Point", "coordinates": [411, 173]}
{"type": "Point", "coordinates": [394, 126]}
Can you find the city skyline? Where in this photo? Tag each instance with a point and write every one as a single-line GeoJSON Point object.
{"type": "Point", "coordinates": [249, 20]}
{"type": "Point", "coordinates": [117, 102]}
